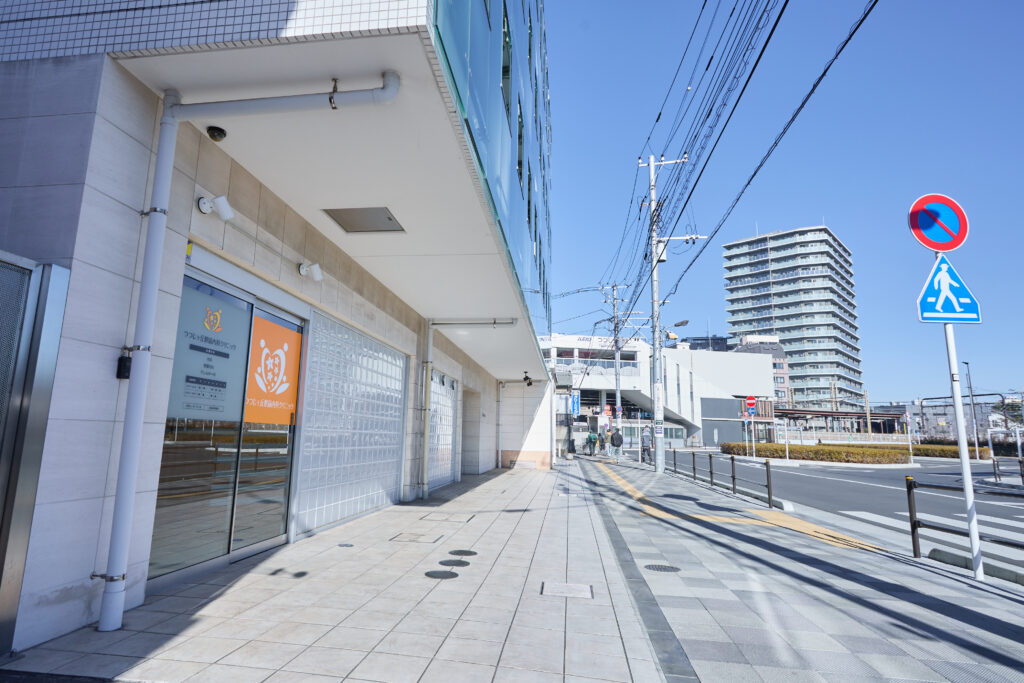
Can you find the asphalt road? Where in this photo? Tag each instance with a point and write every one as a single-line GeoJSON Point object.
{"type": "Point", "coordinates": [882, 491]}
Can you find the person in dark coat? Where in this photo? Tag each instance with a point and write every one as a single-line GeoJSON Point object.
{"type": "Point", "coordinates": [616, 440]}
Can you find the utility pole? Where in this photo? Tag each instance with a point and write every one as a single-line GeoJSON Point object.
{"type": "Point", "coordinates": [618, 355]}
{"type": "Point", "coordinates": [974, 411]}
{"type": "Point", "coordinates": [867, 410]}
{"type": "Point", "coordinates": [657, 248]}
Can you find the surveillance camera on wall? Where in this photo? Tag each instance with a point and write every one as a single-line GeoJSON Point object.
{"type": "Point", "coordinates": [311, 270]}
{"type": "Point", "coordinates": [216, 133]}
{"type": "Point", "coordinates": [219, 204]}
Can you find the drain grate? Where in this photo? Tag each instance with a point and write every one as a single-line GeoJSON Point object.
{"type": "Point", "coordinates": [661, 567]}
{"type": "Point", "coordinates": [440, 574]}
{"type": "Point", "coordinates": [462, 553]}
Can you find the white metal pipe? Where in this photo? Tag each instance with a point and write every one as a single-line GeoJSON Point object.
{"type": "Point", "coordinates": [112, 605]}
{"type": "Point", "coordinates": [497, 457]}
{"type": "Point", "coordinates": [289, 103]}
{"type": "Point", "coordinates": [427, 383]}
{"type": "Point", "coordinates": [488, 322]}
{"type": "Point", "coordinates": [965, 463]}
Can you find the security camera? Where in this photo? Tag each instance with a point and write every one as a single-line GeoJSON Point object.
{"type": "Point", "coordinates": [311, 270]}
{"type": "Point", "coordinates": [219, 204]}
{"type": "Point", "coordinates": [216, 133]}
{"type": "Point", "coordinates": [526, 378]}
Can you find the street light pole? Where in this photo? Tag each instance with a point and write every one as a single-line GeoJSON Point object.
{"type": "Point", "coordinates": [974, 410]}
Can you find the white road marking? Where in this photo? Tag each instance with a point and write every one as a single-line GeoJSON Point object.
{"type": "Point", "coordinates": [897, 488]}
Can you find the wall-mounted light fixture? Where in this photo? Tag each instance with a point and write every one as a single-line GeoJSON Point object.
{"type": "Point", "coordinates": [311, 270]}
{"type": "Point", "coordinates": [218, 204]}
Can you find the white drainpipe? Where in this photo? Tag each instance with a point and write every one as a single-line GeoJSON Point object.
{"type": "Point", "coordinates": [497, 459]}
{"type": "Point", "coordinates": [112, 604]}
{"type": "Point", "coordinates": [427, 382]}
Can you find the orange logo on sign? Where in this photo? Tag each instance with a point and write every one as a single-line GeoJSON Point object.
{"type": "Point", "coordinates": [212, 320]}
{"type": "Point", "coordinates": [272, 391]}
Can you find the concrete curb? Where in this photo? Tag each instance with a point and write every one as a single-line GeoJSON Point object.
{"type": "Point", "coordinates": [1002, 485]}
{"type": "Point", "coordinates": [964, 562]}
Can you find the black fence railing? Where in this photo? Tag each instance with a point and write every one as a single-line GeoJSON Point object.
{"type": "Point", "coordinates": [767, 483]}
{"type": "Point", "coordinates": [916, 524]}
{"type": "Point", "coordinates": [997, 466]}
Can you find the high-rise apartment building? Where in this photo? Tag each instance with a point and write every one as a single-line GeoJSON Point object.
{"type": "Point", "coordinates": [798, 285]}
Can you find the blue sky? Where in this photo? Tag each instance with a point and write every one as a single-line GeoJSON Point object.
{"type": "Point", "coordinates": [926, 98]}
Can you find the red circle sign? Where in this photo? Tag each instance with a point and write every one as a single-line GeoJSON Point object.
{"type": "Point", "coordinates": [751, 401]}
{"type": "Point", "coordinates": [938, 222]}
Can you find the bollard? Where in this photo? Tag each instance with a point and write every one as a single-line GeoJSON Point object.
{"type": "Point", "coordinates": [694, 454]}
{"type": "Point", "coordinates": [995, 467]}
{"type": "Point", "coordinates": [674, 468]}
{"type": "Point", "coordinates": [1020, 464]}
{"type": "Point", "coordinates": [733, 459]}
{"type": "Point", "coordinates": [711, 469]}
{"type": "Point", "coordinates": [912, 510]}
{"type": "Point", "coordinates": [768, 479]}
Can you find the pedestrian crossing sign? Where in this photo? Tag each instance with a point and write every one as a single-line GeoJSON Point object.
{"type": "Point", "coordinates": [945, 297]}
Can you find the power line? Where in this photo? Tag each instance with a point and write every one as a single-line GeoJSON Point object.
{"type": "Point", "coordinates": [778, 138]}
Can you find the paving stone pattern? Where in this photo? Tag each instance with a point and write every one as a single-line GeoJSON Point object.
{"type": "Point", "coordinates": [323, 610]}
{"type": "Point", "coordinates": [767, 603]}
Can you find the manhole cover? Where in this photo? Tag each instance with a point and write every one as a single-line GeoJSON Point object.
{"type": "Point", "coordinates": [345, 545]}
{"type": "Point", "coordinates": [441, 574]}
{"type": "Point", "coordinates": [661, 567]}
{"type": "Point", "coordinates": [462, 553]}
{"type": "Point", "coordinates": [453, 563]}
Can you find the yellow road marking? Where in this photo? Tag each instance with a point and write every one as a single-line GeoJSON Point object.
{"type": "Point", "coordinates": [821, 533]}
{"type": "Point", "coordinates": [768, 518]}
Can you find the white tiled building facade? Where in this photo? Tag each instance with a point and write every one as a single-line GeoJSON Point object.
{"type": "Point", "coordinates": [83, 85]}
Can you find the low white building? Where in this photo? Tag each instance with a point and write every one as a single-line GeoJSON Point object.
{"type": "Point", "coordinates": [694, 380]}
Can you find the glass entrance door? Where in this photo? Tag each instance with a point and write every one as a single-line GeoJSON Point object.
{"type": "Point", "coordinates": [228, 439]}
{"type": "Point", "coordinates": [264, 463]}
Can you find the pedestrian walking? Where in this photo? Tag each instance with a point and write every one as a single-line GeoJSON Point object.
{"type": "Point", "coordinates": [616, 440]}
{"type": "Point", "coordinates": [600, 441]}
{"type": "Point", "coordinates": [591, 441]}
{"type": "Point", "coordinates": [645, 445]}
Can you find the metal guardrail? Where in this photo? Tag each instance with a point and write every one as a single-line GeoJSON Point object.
{"type": "Point", "coordinates": [916, 524]}
{"type": "Point", "coordinates": [995, 465]}
{"type": "Point", "coordinates": [732, 466]}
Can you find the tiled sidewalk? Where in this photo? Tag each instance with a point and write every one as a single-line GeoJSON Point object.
{"type": "Point", "coordinates": [762, 595]}
{"type": "Point", "coordinates": [324, 610]}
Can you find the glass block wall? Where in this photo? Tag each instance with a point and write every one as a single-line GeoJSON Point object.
{"type": "Point", "coordinates": [352, 426]}
{"type": "Point", "coordinates": [443, 406]}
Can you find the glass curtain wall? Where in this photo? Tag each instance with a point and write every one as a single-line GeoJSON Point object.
{"type": "Point", "coordinates": [229, 433]}
{"type": "Point", "coordinates": [496, 59]}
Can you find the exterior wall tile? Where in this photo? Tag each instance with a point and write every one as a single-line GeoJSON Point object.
{"type": "Point", "coordinates": [186, 150]}
{"type": "Point", "coordinates": [96, 300]}
{"type": "Point", "coordinates": [108, 233]}
{"type": "Point", "coordinates": [118, 165]}
{"type": "Point", "coordinates": [84, 387]}
{"type": "Point", "coordinates": [244, 192]}
{"type": "Point", "coordinates": [83, 476]}
{"type": "Point", "coordinates": [40, 222]}
{"type": "Point", "coordinates": [49, 138]}
{"type": "Point", "coordinates": [127, 104]}
{"type": "Point", "coordinates": [213, 168]}
{"type": "Point", "coordinates": [239, 244]}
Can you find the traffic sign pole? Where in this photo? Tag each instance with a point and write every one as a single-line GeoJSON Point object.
{"type": "Point", "coordinates": [965, 463]}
